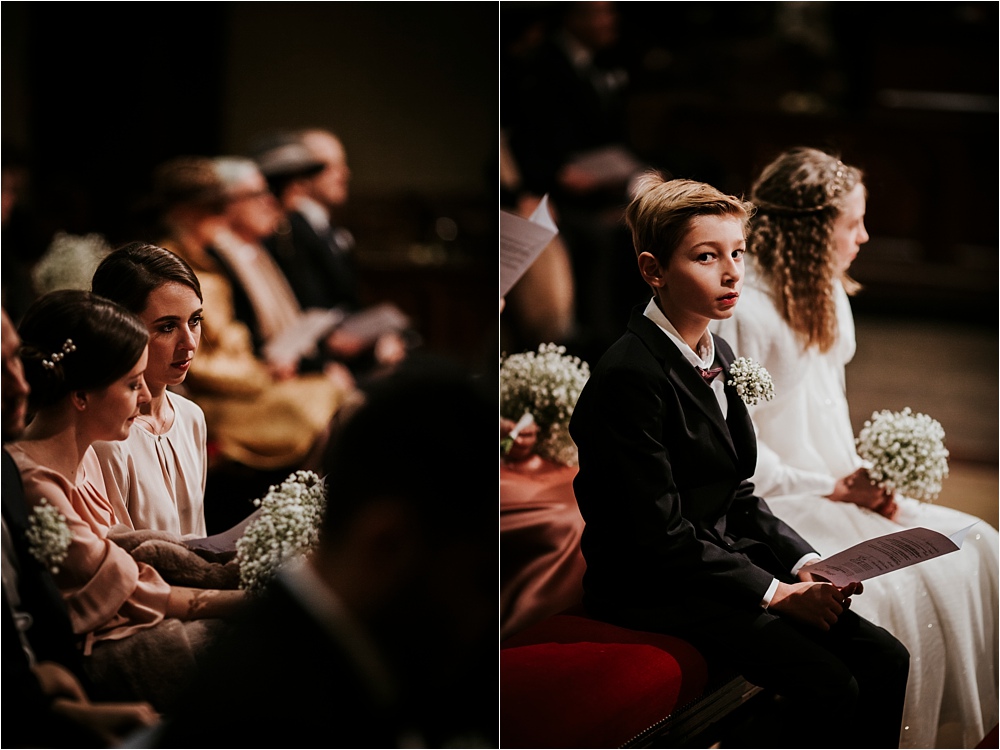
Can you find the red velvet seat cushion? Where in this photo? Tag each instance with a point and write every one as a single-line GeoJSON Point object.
{"type": "Point", "coordinates": [572, 682]}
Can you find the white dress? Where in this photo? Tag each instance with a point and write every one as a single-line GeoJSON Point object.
{"type": "Point", "coordinates": [943, 610]}
{"type": "Point", "coordinates": [158, 481]}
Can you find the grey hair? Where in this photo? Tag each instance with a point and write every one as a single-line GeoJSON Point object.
{"type": "Point", "coordinates": [232, 170]}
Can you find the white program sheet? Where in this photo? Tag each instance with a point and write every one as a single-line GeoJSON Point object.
{"type": "Point", "coordinates": [522, 240]}
{"type": "Point", "coordinates": [887, 553]}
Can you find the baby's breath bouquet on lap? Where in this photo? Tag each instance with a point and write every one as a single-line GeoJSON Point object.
{"type": "Point", "coordinates": [286, 528]}
{"type": "Point", "coordinates": [904, 452]}
{"type": "Point", "coordinates": [544, 384]}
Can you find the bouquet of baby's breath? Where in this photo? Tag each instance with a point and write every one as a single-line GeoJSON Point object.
{"type": "Point", "coordinates": [753, 383]}
{"type": "Point", "coordinates": [904, 451]}
{"type": "Point", "coordinates": [286, 528]}
{"type": "Point", "coordinates": [545, 384]}
{"type": "Point", "coordinates": [69, 262]}
{"type": "Point", "coordinates": [48, 535]}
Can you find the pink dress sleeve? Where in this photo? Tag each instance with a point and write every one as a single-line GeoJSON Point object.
{"type": "Point", "coordinates": [108, 594]}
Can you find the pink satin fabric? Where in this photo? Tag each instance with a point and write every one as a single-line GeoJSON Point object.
{"type": "Point", "coordinates": [541, 567]}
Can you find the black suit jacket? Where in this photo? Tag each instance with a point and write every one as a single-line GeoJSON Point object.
{"type": "Point", "coordinates": [560, 113]}
{"type": "Point", "coordinates": [671, 517]}
{"type": "Point", "coordinates": [319, 268]}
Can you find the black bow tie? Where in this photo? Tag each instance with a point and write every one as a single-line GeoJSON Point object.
{"type": "Point", "coordinates": [709, 375]}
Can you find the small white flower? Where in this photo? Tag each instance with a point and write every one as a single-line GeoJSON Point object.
{"type": "Point", "coordinates": [752, 382]}
{"type": "Point", "coordinates": [545, 384]}
{"type": "Point", "coordinates": [69, 262]}
{"type": "Point", "coordinates": [287, 528]}
{"type": "Point", "coordinates": [48, 535]}
{"type": "Point", "coordinates": [904, 451]}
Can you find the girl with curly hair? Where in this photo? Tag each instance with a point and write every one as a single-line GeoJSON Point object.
{"type": "Point", "coordinates": [794, 318]}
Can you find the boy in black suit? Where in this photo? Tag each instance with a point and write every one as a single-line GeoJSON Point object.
{"type": "Point", "coordinates": [675, 539]}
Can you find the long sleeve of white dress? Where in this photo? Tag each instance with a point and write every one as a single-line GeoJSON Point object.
{"type": "Point", "coordinates": [804, 436]}
{"type": "Point", "coordinates": [945, 611]}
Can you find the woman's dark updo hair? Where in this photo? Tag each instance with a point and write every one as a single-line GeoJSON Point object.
{"type": "Point", "coordinates": [130, 274]}
{"type": "Point", "coordinates": [105, 342]}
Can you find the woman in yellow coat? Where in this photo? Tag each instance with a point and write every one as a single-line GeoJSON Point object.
{"type": "Point", "coordinates": [263, 417]}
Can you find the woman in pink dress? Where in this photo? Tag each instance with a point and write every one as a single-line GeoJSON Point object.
{"type": "Point", "coordinates": [84, 359]}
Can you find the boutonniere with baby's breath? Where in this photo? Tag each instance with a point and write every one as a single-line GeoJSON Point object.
{"type": "Point", "coordinates": [48, 535]}
{"type": "Point", "coordinates": [752, 382]}
{"type": "Point", "coordinates": [286, 528]}
{"type": "Point", "coordinates": [904, 451]}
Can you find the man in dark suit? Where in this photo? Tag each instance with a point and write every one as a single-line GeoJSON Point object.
{"type": "Point", "coordinates": [675, 538]}
{"type": "Point", "coordinates": [566, 115]}
{"type": "Point", "coordinates": [307, 171]}
{"type": "Point", "coordinates": [386, 636]}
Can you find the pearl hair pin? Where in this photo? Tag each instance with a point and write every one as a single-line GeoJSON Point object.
{"type": "Point", "coordinates": [67, 347]}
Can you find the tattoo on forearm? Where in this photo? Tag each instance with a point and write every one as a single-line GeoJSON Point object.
{"type": "Point", "coordinates": [198, 604]}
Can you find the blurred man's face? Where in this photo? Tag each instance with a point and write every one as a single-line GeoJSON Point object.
{"type": "Point", "coordinates": [252, 210]}
{"type": "Point", "coordinates": [11, 187]}
{"type": "Point", "coordinates": [329, 187]}
{"type": "Point", "coordinates": [594, 24]}
{"type": "Point", "coordinates": [15, 387]}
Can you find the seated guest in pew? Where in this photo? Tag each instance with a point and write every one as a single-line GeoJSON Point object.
{"type": "Point", "coordinates": [675, 539]}
{"type": "Point", "coordinates": [264, 298]}
{"type": "Point", "coordinates": [271, 305]}
{"type": "Point", "coordinates": [155, 477]}
{"type": "Point", "coordinates": [258, 416]}
{"type": "Point", "coordinates": [84, 359]}
{"type": "Point", "coordinates": [307, 171]}
{"type": "Point", "coordinates": [46, 701]}
{"type": "Point", "coordinates": [384, 637]}
{"type": "Point", "coordinates": [794, 318]}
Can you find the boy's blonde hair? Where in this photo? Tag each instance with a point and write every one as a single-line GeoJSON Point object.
{"type": "Point", "coordinates": [661, 211]}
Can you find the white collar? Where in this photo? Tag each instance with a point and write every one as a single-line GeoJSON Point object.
{"type": "Point", "coordinates": [313, 212]}
{"type": "Point", "coordinates": [705, 355]}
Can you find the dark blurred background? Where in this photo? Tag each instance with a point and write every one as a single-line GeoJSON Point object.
{"type": "Point", "coordinates": [906, 91]}
{"type": "Point", "coordinates": [96, 94]}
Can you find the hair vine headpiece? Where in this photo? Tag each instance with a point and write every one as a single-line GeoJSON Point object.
{"type": "Point", "coordinates": [67, 347]}
{"type": "Point", "coordinates": [839, 179]}
{"type": "Point", "coordinates": [832, 189]}
{"type": "Point", "coordinates": [776, 208]}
